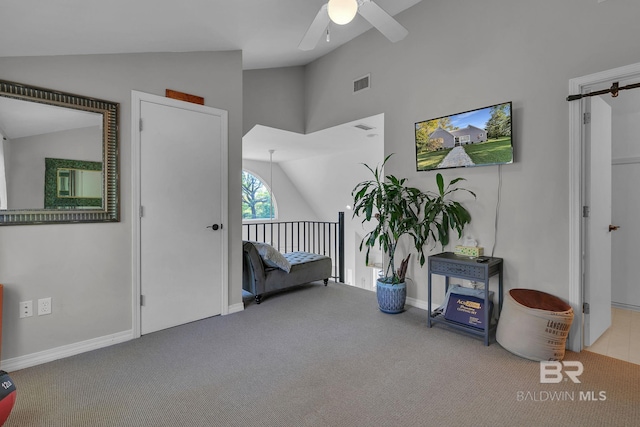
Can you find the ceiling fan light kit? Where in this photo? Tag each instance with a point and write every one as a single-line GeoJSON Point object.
{"type": "Point", "coordinates": [342, 12]}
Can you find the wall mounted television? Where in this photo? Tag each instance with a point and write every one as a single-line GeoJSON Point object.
{"type": "Point", "coordinates": [479, 137]}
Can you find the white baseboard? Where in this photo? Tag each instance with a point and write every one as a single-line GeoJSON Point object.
{"type": "Point", "coordinates": [420, 304]}
{"type": "Point", "coordinates": [625, 306]}
{"type": "Point", "coordinates": [29, 360]}
{"type": "Point", "coordinates": [236, 308]}
{"type": "Point", "coordinates": [34, 359]}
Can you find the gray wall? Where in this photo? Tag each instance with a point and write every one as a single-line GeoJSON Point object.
{"type": "Point", "coordinates": [86, 268]}
{"type": "Point", "coordinates": [521, 51]}
{"type": "Point", "coordinates": [497, 51]}
{"type": "Point", "coordinates": [275, 98]}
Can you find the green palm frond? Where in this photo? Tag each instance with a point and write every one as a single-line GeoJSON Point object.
{"type": "Point", "coordinates": [402, 210]}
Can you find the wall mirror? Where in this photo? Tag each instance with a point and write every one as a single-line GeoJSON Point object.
{"type": "Point", "coordinates": [58, 157]}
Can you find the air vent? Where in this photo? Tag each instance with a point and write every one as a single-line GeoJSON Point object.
{"type": "Point", "coordinates": [362, 83]}
{"type": "Point", "coordinates": [363, 127]}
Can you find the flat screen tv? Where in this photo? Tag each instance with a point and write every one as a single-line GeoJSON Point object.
{"type": "Point", "coordinates": [478, 137]}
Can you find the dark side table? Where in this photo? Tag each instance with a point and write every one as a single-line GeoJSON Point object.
{"type": "Point", "coordinates": [448, 264]}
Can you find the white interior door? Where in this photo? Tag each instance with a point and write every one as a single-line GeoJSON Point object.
{"type": "Point", "coordinates": [181, 186]}
{"type": "Point", "coordinates": [625, 270]}
{"type": "Point", "coordinates": [579, 170]}
{"type": "Point", "coordinates": [597, 292]}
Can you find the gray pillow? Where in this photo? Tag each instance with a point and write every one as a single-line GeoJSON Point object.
{"type": "Point", "coordinates": [271, 257]}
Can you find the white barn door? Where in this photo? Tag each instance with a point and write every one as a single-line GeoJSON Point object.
{"type": "Point", "coordinates": [182, 244]}
{"type": "Point", "coordinates": [597, 292]}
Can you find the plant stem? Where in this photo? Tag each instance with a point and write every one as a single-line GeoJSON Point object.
{"type": "Point", "coordinates": [391, 264]}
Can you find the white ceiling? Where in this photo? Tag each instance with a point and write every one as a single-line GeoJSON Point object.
{"type": "Point", "coordinates": [290, 146]}
{"type": "Point", "coordinates": [267, 31]}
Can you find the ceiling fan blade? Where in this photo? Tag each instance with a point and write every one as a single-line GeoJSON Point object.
{"type": "Point", "coordinates": [316, 30]}
{"type": "Point", "coordinates": [382, 21]}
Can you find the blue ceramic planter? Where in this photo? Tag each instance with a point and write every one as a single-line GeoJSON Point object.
{"type": "Point", "coordinates": [391, 298]}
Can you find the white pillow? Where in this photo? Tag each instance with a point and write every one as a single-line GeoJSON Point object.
{"type": "Point", "coordinates": [272, 257]}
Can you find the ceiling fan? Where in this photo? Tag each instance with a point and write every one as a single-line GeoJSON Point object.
{"type": "Point", "coordinates": [342, 12]}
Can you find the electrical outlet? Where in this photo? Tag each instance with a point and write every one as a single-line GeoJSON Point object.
{"type": "Point", "coordinates": [44, 306]}
{"type": "Point", "coordinates": [26, 309]}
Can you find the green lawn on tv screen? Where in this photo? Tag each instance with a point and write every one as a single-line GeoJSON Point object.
{"type": "Point", "coordinates": [491, 152]}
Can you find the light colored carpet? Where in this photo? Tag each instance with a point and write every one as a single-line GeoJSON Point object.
{"type": "Point", "coordinates": [318, 356]}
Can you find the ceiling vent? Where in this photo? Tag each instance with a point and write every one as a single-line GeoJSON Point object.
{"type": "Point", "coordinates": [364, 127]}
{"type": "Point", "coordinates": [362, 83]}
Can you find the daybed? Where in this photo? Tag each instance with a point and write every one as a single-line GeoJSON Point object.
{"type": "Point", "coordinates": [264, 269]}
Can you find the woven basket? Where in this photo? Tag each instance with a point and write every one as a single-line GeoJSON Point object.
{"type": "Point", "coordinates": [534, 325]}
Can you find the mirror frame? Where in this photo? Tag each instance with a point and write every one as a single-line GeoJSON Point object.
{"type": "Point", "coordinates": [110, 210]}
{"type": "Point", "coordinates": [52, 197]}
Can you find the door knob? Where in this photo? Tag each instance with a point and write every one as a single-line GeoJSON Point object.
{"type": "Point", "coordinates": [613, 228]}
{"type": "Point", "coordinates": [214, 227]}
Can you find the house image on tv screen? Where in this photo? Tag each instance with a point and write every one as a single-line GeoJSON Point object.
{"type": "Point", "coordinates": [479, 137]}
{"type": "Point", "coordinates": [452, 138]}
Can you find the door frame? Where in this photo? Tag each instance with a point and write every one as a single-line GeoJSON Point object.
{"type": "Point", "coordinates": [576, 182]}
{"type": "Point", "coordinates": [136, 99]}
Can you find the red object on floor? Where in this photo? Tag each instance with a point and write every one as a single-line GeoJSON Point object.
{"type": "Point", "coordinates": [7, 396]}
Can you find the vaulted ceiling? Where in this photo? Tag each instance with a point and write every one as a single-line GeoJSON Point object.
{"type": "Point", "coordinates": [267, 31]}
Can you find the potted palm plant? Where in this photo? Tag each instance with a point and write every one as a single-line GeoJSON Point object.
{"type": "Point", "coordinates": [399, 210]}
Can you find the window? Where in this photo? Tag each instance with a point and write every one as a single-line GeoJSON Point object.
{"type": "Point", "coordinates": [256, 198]}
